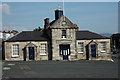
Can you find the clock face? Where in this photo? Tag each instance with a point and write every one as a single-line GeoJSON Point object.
{"type": "Point", "coordinates": [64, 23]}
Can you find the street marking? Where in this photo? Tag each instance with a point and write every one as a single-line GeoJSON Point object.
{"type": "Point", "coordinates": [11, 64]}
{"type": "Point", "coordinates": [6, 68]}
{"type": "Point", "coordinates": [30, 73]}
{"type": "Point", "coordinates": [25, 67]}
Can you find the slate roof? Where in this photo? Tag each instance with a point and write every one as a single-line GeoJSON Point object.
{"type": "Point", "coordinates": [86, 35]}
{"type": "Point", "coordinates": [42, 36]}
{"type": "Point", "coordinates": [30, 36]}
{"type": "Point", "coordinates": [52, 22]}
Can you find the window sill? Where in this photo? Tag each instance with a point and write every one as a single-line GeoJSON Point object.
{"type": "Point", "coordinates": [15, 56]}
{"type": "Point", "coordinates": [43, 54]}
{"type": "Point", "coordinates": [80, 52]}
{"type": "Point", "coordinates": [103, 51]}
{"type": "Point", "coordinates": [63, 38]}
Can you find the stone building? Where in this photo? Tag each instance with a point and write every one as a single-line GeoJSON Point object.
{"type": "Point", "coordinates": [59, 40]}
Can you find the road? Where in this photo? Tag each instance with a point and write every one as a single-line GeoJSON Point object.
{"type": "Point", "coordinates": [60, 69]}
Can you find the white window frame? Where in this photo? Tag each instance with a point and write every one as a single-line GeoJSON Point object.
{"type": "Point", "coordinates": [103, 46]}
{"type": "Point", "coordinates": [15, 49]}
{"type": "Point", "coordinates": [79, 47]}
{"type": "Point", "coordinates": [45, 48]}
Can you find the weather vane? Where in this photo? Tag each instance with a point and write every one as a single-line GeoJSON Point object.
{"type": "Point", "coordinates": [59, 6]}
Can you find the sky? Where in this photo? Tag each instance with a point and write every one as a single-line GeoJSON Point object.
{"type": "Point", "coordinates": [100, 17]}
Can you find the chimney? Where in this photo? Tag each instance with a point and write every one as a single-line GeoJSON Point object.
{"type": "Point", "coordinates": [46, 23]}
{"type": "Point", "coordinates": [58, 13]}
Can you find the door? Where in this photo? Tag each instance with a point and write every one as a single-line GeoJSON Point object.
{"type": "Point", "coordinates": [93, 50]}
{"type": "Point", "coordinates": [65, 51]}
{"type": "Point", "coordinates": [65, 54]}
{"type": "Point", "coordinates": [31, 53]}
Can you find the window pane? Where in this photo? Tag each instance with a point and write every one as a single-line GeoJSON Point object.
{"type": "Point", "coordinates": [103, 46]}
{"type": "Point", "coordinates": [43, 48]}
{"type": "Point", "coordinates": [63, 33]}
{"type": "Point", "coordinates": [15, 49]}
{"type": "Point", "coordinates": [80, 47]}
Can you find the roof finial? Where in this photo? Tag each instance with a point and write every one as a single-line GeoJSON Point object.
{"type": "Point", "coordinates": [63, 9]}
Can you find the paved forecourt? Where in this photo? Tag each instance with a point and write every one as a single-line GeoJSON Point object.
{"type": "Point", "coordinates": [60, 69]}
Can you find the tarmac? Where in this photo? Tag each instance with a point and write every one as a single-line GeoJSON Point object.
{"type": "Point", "coordinates": [60, 69]}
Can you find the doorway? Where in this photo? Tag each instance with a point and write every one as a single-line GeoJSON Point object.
{"type": "Point", "coordinates": [65, 51]}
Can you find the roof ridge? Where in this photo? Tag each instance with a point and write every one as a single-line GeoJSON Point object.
{"type": "Point", "coordinates": [84, 30]}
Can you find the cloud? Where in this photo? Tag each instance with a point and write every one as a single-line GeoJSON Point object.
{"type": "Point", "coordinates": [13, 28]}
{"type": "Point", "coordinates": [5, 8]}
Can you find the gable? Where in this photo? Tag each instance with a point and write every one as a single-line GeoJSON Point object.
{"type": "Point", "coordinates": [63, 22]}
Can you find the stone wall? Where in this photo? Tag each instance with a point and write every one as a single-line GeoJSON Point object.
{"type": "Point", "coordinates": [22, 45]}
{"type": "Point", "coordinates": [57, 40]}
{"type": "Point", "coordinates": [100, 55]}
